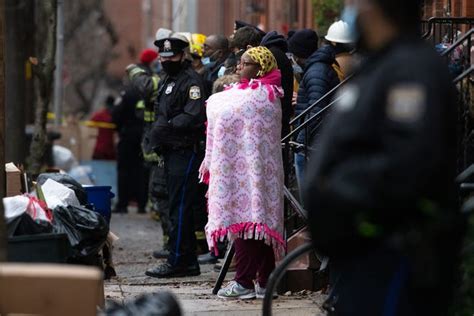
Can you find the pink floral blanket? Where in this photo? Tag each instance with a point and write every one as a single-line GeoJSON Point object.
{"type": "Point", "coordinates": [244, 161]}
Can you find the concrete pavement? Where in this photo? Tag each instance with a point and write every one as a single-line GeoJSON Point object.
{"type": "Point", "coordinates": [139, 236]}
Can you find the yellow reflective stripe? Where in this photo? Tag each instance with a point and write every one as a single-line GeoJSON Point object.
{"type": "Point", "coordinates": [153, 157]}
{"type": "Point", "coordinates": [155, 80]}
{"type": "Point", "coordinates": [200, 235]}
{"type": "Point", "coordinates": [99, 124]}
{"type": "Point", "coordinates": [135, 71]}
{"type": "Point", "coordinates": [140, 105]}
{"type": "Point", "coordinates": [149, 116]}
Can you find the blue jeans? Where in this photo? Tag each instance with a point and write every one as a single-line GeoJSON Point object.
{"type": "Point", "coordinates": [300, 164]}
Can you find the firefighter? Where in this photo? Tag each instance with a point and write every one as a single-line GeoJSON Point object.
{"type": "Point", "coordinates": [130, 171]}
{"type": "Point", "coordinates": [145, 79]}
{"type": "Point", "coordinates": [178, 134]}
{"type": "Point", "coordinates": [380, 190]}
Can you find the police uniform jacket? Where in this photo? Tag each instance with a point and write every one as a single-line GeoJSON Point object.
{"type": "Point", "coordinates": [388, 154]}
{"type": "Point", "coordinates": [179, 110]}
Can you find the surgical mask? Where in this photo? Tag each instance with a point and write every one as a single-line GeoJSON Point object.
{"type": "Point", "coordinates": [297, 69]}
{"type": "Point", "coordinates": [350, 15]}
{"type": "Point", "coordinates": [221, 72]}
{"type": "Point", "coordinates": [210, 61]}
{"type": "Point", "coordinates": [172, 68]}
{"type": "Point", "coordinates": [206, 61]}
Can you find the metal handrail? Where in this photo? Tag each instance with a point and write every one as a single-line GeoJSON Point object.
{"type": "Point", "coordinates": [466, 73]}
{"type": "Point", "coordinates": [308, 121]}
{"type": "Point", "coordinates": [327, 95]}
{"type": "Point", "coordinates": [460, 41]}
{"type": "Point", "coordinates": [445, 20]}
{"type": "Point", "coordinates": [295, 204]}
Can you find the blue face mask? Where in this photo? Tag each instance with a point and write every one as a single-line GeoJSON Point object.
{"type": "Point", "coordinates": [221, 72]}
{"type": "Point", "coordinates": [350, 15]}
{"type": "Point", "coordinates": [297, 69]}
{"type": "Point", "coordinates": [206, 61]}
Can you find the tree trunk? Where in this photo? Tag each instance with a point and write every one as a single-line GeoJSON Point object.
{"type": "Point", "coordinates": [44, 73]}
{"type": "Point", "coordinates": [3, 235]}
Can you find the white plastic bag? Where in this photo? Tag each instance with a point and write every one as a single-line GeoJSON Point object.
{"type": "Point", "coordinates": [19, 204]}
{"type": "Point", "coordinates": [55, 194]}
{"type": "Point", "coordinates": [63, 158]}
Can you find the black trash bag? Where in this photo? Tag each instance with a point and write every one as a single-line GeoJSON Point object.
{"type": "Point", "coordinates": [86, 230]}
{"type": "Point", "coordinates": [25, 225]}
{"type": "Point", "coordinates": [156, 304]}
{"type": "Point", "coordinates": [67, 181]}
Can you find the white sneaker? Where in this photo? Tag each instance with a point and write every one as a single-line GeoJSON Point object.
{"type": "Point", "coordinates": [234, 290]}
{"type": "Point", "coordinates": [260, 292]}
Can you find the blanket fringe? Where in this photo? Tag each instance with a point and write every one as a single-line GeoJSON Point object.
{"type": "Point", "coordinates": [257, 231]}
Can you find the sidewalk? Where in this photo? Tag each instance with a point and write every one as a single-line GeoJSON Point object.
{"type": "Point", "coordinates": [139, 236]}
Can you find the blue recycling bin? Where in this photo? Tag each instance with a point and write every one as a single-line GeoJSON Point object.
{"type": "Point", "coordinates": [101, 197]}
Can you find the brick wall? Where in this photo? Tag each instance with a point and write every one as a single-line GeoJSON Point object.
{"type": "Point", "coordinates": [438, 8]}
{"type": "Point", "coordinates": [467, 8]}
{"type": "Point", "coordinates": [127, 21]}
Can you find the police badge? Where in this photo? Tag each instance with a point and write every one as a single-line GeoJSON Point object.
{"type": "Point", "coordinates": [194, 93]}
{"type": "Point", "coordinates": [167, 46]}
{"type": "Point", "coordinates": [169, 88]}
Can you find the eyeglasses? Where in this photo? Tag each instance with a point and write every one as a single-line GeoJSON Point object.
{"type": "Point", "coordinates": [247, 63]}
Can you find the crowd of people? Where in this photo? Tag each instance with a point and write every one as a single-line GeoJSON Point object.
{"type": "Point", "coordinates": [202, 118]}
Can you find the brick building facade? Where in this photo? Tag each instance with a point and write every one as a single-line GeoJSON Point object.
{"type": "Point", "coordinates": [136, 21]}
{"type": "Point", "coordinates": [443, 8]}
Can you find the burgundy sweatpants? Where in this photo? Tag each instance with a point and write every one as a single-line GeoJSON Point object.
{"type": "Point", "coordinates": [254, 261]}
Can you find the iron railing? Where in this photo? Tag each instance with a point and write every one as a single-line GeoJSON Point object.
{"type": "Point", "coordinates": [445, 29]}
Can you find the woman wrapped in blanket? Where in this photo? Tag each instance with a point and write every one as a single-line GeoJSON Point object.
{"type": "Point", "coordinates": [243, 165]}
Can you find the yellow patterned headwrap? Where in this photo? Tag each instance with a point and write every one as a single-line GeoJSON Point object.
{"type": "Point", "coordinates": [264, 57]}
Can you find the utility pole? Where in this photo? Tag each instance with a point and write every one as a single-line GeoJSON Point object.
{"type": "Point", "coordinates": [58, 73]}
{"type": "Point", "coordinates": [3, 231]}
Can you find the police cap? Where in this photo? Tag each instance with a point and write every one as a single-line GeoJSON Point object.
{"type": "Point", "coordinates": [171, 46]}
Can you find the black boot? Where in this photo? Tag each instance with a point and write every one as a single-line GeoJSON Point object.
{"type": "Point", "coordinates": [161, 254]}
{"type": "Point", "coordinates": [168, 271]}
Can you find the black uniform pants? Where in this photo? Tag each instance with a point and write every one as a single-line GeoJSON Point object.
{"type": "Point", "coordinates": [130, 174]}
{"type": "Point", "coordinates": [181, 167]}
{"type": "Point", "coordinates": [159, 194]}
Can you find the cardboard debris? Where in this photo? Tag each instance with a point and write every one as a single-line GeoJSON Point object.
{"type": "Point", "coordinates": [13, 175]}
{"type": "Point", "coordinates": [50, 289]}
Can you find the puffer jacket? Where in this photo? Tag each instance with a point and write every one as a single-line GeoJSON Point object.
{"type": "Point", "coordinates": [319, 78]}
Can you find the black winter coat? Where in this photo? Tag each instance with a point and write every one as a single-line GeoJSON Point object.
{"type": "Point", "coordinates": [319, 78]}
{"type": "Point", "coordinates": [179, 110]}
{"type": "Point", "coordinates": [277, 45]}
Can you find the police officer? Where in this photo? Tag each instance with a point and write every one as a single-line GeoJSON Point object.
{"type": "Point", "coordinates": [380, 191]}
{"type": "Point", "coordinates": [178, 133]}
{"type": "Point", "coordinates": [145, 79]}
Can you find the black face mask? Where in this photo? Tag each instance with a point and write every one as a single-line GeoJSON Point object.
{"type": "Point", "coordinates": [172, 68]}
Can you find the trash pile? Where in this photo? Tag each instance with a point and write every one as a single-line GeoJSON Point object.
{"type": "Point", "coordinates": [55, 222]}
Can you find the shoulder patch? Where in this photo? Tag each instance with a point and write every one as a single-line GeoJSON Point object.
{"type": "Point", "coordinates": [406, 103]}
{"type": "Point", "coordinates": [194, 93]}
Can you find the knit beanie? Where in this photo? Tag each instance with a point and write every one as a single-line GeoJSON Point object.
{"type": "Point", "coordinates": [303, 43]}
{"type": "Point", "coordinates": [148, 55]}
